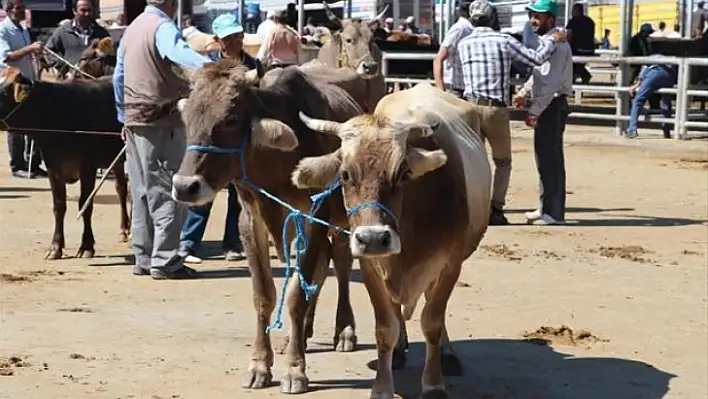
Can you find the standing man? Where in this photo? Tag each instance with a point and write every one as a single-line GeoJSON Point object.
{"type": "Point", "coordinates": [548, 89]}
{"type": "Point", "coordinates": [147, 90]}
{"type": "Point", "coordinates": [16, 50]}
{"type": "Point", "coordinates": [581, 34]}
{"type": "Point", "coordinates": [269, 23]}
{"type": "Point", "coordinates": [447, 68]}
{"type": "Point", "coordinates": [281, 47]}
{"type": "Point", "coordinates": [229, 34]}
{"type": "Point", "coordinates": [486, 56]}
{"type": "Point", "coordinates": [71, 40]}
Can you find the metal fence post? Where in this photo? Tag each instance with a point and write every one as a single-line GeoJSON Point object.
{"type": "Point", "coordinates": [682, 99]}
{"type": "Point", "coordinates": [622, 97]}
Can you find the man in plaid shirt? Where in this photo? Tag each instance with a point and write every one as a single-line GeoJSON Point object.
{"type": "Point", "coordinates": [486, 57]}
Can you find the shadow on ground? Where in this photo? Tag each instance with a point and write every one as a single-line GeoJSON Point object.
{"type": "Point", "coordinates": [619, 220]}
{"type": "Point", "coordinates": [514, 369]}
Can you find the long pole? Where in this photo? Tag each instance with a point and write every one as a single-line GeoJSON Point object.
{"type": "Point", "coordinates": [100, 183]}
{"type": "Point", "coordinates": [626, 8]}
{"type": "Point", "coordinates": [300, 16]}
{"type": "Point", "coordinates": [180, 11]}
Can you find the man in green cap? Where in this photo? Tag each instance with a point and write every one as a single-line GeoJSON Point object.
{"type": "Point", "coordinates": [547, 90]}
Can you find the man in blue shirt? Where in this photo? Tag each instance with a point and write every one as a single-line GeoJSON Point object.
{"type": "Point", "coordinates": [229, 34]}
{"type": "Point", "coordinates": [147, 90]}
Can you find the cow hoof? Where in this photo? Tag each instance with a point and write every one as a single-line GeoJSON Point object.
{"type": "Point", "coordinates": [345, 341]}
{"type": "Point", "coordinates": [294, 382]}
{"type": "Point", "coordinates": [258, 376]}
{"type": "Point", "coordinates": [54, 253]}
{"type": "Point", "coordinates": [399, 359]}
{"type": "Point", "coordinates": [451, 365]}
{"type": "Point", "coordinates": [435, 394]}
{"type": "Point", "coordinates": [85, 253]}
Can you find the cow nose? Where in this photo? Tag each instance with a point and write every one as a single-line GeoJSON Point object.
{"type": "Point", "coordinates": [191, 189]}
{"type": "Point", "coordinates": [374, 241]}
{"type": "Point", "coordinates": [371, 68]}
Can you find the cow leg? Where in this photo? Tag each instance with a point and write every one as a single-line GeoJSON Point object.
{"type": "Point", "coordinates": [58, 188]}
{"type": "Point", "coordinates": [387, 330]}
{"type": "Point", "coordinates": [451, 364]}
{"type": "Point", "coordinates": [295, 380]}
{"type": "Point", "coordinates": [122, 191]}
{"type": "Point", "coordinates": [320, 279]}
{"type": "Point", "coordinates": [399, 351]}
{"type": "Point", "coordinates": [255, 240]}
{"type": "Point", "coordinates": [433, 325]}
{"type": "Point", "coordinates": [345, 327]}
{"type": "Point", "coordinates": [87, 180]}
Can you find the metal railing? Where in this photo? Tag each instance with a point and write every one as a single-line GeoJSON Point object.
{"type": "Point", "coordinates": [683, 90]}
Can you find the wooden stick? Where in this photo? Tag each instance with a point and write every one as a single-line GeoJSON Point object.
{"type": "Point", "coordinates": [100, 183]}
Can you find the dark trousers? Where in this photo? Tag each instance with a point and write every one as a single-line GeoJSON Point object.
{"type": "Point", "coordinates": [550, 161]}
{"type": "Point", "coordinates": [16, 148]}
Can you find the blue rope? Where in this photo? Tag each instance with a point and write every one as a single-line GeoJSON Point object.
{"type": "Point", "coordinates": [297, 218]}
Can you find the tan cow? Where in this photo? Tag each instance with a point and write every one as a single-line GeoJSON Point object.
{"type": "Point", "coordinates": [418, 207]}
{"type": "Point", "coordinates": [253, 134]}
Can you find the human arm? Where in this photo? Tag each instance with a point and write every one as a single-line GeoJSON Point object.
{"type": "Point", "coordinates": [118, 79]}
{"type": "Point", "coordinates": [264, 49]}
{"type": "Point", "coordinates": [171, 45]}
{"type": "Point", "coordinates": [532, 57]}
{"type": "Point", "coordinates": [7, 54]}
{"type": "Point", "coordinates": [453, 36]}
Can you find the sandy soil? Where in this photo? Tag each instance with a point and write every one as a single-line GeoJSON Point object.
{"type": "Point", "coordinates": [611, 306]}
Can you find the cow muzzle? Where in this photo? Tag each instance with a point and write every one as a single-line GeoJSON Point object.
{"type": "Point", "coordinates": [192, 190]}
{"type": "Point", "coordinates": [374, 241]}
{"type": "Point", "coordinates": [368, 69]}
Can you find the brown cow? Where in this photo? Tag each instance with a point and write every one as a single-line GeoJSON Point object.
{"type": "Point", "coordinates": [418, 208]}
{"type": "Point", "coordinates": [66, 107]}
{"type": "Point", "coordinates": [352, 46]}
{"type": "Point", "coordinates": [259, 128]}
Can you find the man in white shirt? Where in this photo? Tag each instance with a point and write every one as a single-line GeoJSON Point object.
{"type": "Point", "coordinates": [548, 89]}
{"type": "Point", "coordinates": [447, 69]}
{"type": "Point", "coordinates": [661, 32]}
{"type": "Point", "coordinates": [269, 23]}
{"type": "Point", "coordinates": [16, 50]}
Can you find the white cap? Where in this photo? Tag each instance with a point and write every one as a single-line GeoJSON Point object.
{"type": "Point", "coordinates": [389, 20]}
{"type": "Point", "coordinates": [410, 19]}
{"type": "Point", "coordinates": [271, 14]}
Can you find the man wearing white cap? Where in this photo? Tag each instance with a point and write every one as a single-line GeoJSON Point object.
{"type": "Point", "coordinates": [388, 25]}
{"type": "Point", "coordinates": [265, 26]}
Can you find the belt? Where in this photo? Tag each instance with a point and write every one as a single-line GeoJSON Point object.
{"type": "Point", "coordinates": [486, 102]}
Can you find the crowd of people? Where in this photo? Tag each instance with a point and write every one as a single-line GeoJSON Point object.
{"type": "Point", "coordinates": [474, 63]}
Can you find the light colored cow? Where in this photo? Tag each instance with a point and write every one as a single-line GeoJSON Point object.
{"type": "Point", "coordinates": [416, 182]}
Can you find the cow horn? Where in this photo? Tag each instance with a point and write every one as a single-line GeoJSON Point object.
{"type": "Point", "coordinates": [382, 14]}
{"type": "Point", "coordinates": [330, 14]}
{"type": "Point", "coordinates": [421, 130]}
{"type": "Point", "coordinates": [320, 125]}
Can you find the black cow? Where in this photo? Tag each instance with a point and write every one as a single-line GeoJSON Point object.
{"type": "Point", "coordinates": [52, 113]}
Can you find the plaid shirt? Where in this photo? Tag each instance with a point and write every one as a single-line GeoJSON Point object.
{"type": "Point", "coordinates": [486, 57]}
{"type": "Point", "coordinates": [452, 68]}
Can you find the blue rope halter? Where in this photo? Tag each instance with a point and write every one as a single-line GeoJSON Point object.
{"type": "Point", "coordinates": [296, 217]}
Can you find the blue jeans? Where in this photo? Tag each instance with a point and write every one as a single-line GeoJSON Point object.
{"type": "Point", "coordinates": [197, 217]}
{"type": "Point", "coordinates": [652, 80]}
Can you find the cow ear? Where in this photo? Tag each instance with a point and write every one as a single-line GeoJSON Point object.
{"type": "Point", "coordinates": [316, 172]}
{"type": "Point", "coordinates": [272, 133]}
{"type": "Point", "coordinates": [423, 161]}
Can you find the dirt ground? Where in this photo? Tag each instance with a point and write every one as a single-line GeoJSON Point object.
{"type": "Point", "coordinates": [610, 306]}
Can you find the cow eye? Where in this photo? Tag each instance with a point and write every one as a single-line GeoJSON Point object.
{"type": "Point", "coordinates": [344, 176]}
{"type": "Point", "coordinates": [348, 40]}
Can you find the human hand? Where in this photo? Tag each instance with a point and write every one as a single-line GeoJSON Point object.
{"type": "Point", "coordinates": [559, 36]}
{"type": "Point", "coordinates": [36, 47]}
{"type": "Point", "coordinates": [531, 121]}
{"type": "Point", "coordinates": [519, 100]}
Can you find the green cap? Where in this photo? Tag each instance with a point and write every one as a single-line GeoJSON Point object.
{"type": "Point", "coordinates": [543, 6]}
